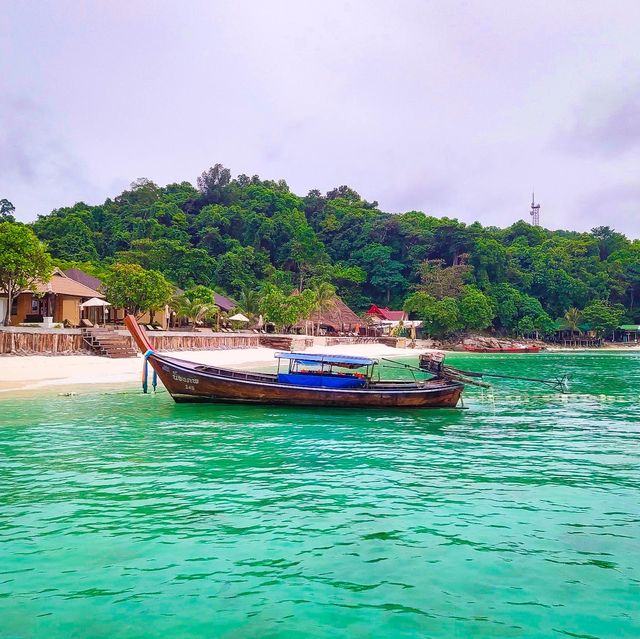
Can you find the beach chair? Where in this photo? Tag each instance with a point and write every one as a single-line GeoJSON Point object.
{"type": "Point", "coordinates": [85, 323]}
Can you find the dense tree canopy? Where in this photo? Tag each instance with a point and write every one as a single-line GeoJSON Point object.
{"type": "Point", "coordinates": [23, 261]}
{"type": "Point", "coordinates": [242, 234]}
{"type": "Point", "coordinates": [136, 289]}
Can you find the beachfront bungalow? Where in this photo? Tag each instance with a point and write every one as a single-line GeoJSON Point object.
{"type": "Point", "coordinates": [163, 318]}
{"type": "Point", "coordinates": [58, 299]}
{"type": "Point", "coordinates": [386, 314]}
{"type": "Point", "coordinates": [385, 319]}
{"type": "Point", "coordinates": [584, 337]}
{"type": "Point", "coordinates": [225, 304]}
{"type": "Point", "coordinates": [110, 314]}
{"type": "Point", "coordinates": [627, 333]}
{"type": "Point", "coordinates": [336, 319]}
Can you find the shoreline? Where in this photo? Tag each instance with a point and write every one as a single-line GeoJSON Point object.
{"type": "Point", "coordinates": [28, 373]}
{"type": "Point", "coordinates": [22, 375]}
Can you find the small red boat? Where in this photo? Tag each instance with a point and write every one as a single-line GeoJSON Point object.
{"type": "Point", "coordinates": [507, 349]}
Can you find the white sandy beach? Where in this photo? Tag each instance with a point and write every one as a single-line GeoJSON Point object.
{"type": "Point", "coordinates": [30, 372]}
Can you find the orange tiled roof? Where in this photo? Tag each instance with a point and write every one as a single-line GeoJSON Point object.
{"type": "Point", "coordinates": [61, 284]}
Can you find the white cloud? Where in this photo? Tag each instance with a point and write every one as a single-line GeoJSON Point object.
{"type": "Point", "coordinates": [455, 108]}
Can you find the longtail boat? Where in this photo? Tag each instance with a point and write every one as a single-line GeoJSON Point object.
{"type": "Point", "coordinates": [524, 348]}
{"type": "Point", "coordinates": [307, 380]}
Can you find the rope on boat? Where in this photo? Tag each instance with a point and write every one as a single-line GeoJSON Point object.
{"type": "Point", "coordinates": [449, 372]}
{"type": "Point", "coordinates": [559, 383]}
{"type": "Point", "coordinates": [145, 373]}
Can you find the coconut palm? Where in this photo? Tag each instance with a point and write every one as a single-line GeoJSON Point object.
{"type": "Point", "coordinates": [324, 299]}
{"type": "Point", "coordinates": [193, 310]}
{"type": "Point", "coordinates": [572, 318]}
{"type": "Point", "coordinates": [249, 302]}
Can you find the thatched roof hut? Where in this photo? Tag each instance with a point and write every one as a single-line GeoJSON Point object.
{"type": "Point", "coordinates": [339, 317]}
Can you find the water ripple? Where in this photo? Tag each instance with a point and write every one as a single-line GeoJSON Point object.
{"type": "Point", "coordinates": [124, 515]}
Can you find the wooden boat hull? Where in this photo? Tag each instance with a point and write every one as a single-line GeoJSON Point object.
{"type": "Point", "coordinates": [187, 384]}
{"type": "Point", "coordinates": [192, 382]}
{"type": "Point", "coordinates": [515, 349]}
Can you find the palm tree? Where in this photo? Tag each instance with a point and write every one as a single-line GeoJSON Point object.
{"type": "Point", "coordinates": [194, 310]}
{"type": "Point", "coordinates": [572, 318]}
{"type": "Point", "coordinates": [324, 294]}
{"type": "Point", "coordinates": [249, 302]}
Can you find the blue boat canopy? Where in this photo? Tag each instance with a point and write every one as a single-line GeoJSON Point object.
{"type": "Point", "coordinates": [346, 361]}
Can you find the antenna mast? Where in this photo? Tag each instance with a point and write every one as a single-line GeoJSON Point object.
{"type": "Point", "coordinates": [535, 211]}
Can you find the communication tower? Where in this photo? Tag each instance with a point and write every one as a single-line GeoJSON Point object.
{"type": "Point", "coordinates": [535, 211]}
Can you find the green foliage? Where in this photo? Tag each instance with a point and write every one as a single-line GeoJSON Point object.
{"type": "Point", "coordinates": [97, 269]}
{"type": "Point", "coordinates": [6, 211]}
{"type": "Point", "coordinates": [67, 236]}
{"type": "Point", "coordinates": [518, 312]}
{"type": "Point", "coordinates": [440, 318]}
{"type": "Point", "coordinates": [383, 272]}
{"type": "Point", "coordinates": [240, 268]}
{"type": "Point", "coordinates": [285, 310]}
{"type": "Point", "coordinates": [23, 261]}
{"type": "Point", "coordinates": [489, 260]}
{"type": "Point", "coordinates": [603, 317]}
{"type": "Point", "coordinates": [323, 298]}
{"type": "Point", "coordinates": [201, 294]}
{"type": "Point", "coordinates": [240, 234]}
{"type": "Point", "coordinates": [136, 289]}
{"type": "Point", "coordinates": [476, 309]}
{"type": "Point", "coordinates": [182, 265]}
{"type": "Point", "coordinates": [249, 302]}
{"type": "Point", "coordinates": [195, 307]}
{"type": "Point", "coordinates": [440, 280]}
{"type": "Point", "coordinates": [608, 241]}
{"type": "Point", "coordinates": [572, 319]}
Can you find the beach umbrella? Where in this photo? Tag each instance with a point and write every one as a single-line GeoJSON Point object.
{"type": "Point", "coordinates": [96, 302]}
{"type": "Point", "coordinates": [239, 317]}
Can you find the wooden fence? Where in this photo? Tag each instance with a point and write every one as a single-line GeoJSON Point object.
{"type": "Point", "coordinates": [286, 342]}
{"type": "Point", "coordinates": [333, 341]}
{"type": "Point", "coordinates": [33, 341]}
{"type": "Point", "coordinates": [52, 342]}
{"type": "Point", "coordinates": [168, 342]}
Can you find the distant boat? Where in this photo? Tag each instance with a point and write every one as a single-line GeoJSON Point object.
{"type": "Point", "coordinates": [524, 348]}
{"type": "Point", "coordinates": [308, 380]}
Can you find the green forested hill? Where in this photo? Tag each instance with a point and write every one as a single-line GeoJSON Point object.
{"type": "Point", "coordinates": [237, 234]}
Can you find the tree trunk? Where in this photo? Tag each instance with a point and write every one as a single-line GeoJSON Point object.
{"type": "Point", "coordinates": [7, 318]}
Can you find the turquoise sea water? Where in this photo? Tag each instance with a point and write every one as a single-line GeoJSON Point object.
{"type": "Point", "coordinates": [124, 515]}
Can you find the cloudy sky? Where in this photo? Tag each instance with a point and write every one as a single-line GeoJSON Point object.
{"type": "Point", "coordinates": [452, 108]}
